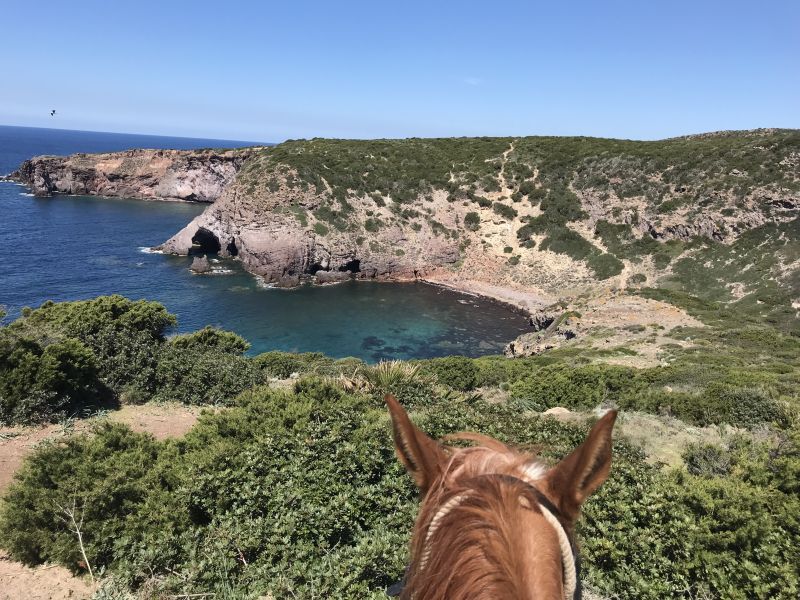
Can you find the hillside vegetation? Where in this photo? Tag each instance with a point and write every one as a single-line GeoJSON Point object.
{"type": "Point", "coordinates": [294, 489]}
{"type": "Point", "coordinates": [714, 216]}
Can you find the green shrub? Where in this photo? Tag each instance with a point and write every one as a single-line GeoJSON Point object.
{"type": "Point", "coordinates": [578, 388]}
{"type": "Point", "coordinates": [107, 477]}
{"type": "Point", "coordinates": [494, 370]}
{"type": "Point", "coordinates": [198, 376]}
{"type": "Point", "coordinates": [505, 211]}
{"type": "Point", "coordinates": [123, 334]}
{"type": "Point", "coordinates": [457, 372]}
{"type": "Point", "coordinates": [472, 221]}
{"type": "Point", "coordinates": [373, 225]}
{"type": "Point", "coordinates": [604, 265]}
{"type": "Point", "coordinates": [525, 232]}
{"type": "Point", "coordinates": [565, 241]}
{"type": "Point", "coordinates": [637, 278]}
{"type": "Point", "coordinates": [44, 382]}
{"type": "Point", "coordinates": [211, 338]}
{"type": "Point", "coordinates": [300, 494]}
{"type": "Point", "coordinates": [707, 460]}
{"type": "Point", "coordinates": [739, 406]}
{"type": "Point", "coordinates": [321, 229]}
{"type": "Point", "coordinates": [86, 319]}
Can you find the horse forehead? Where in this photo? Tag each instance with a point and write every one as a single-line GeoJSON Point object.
{"type": "Point", "coordinates": [533, 470]}
{"type": "Point", "coordinates": [484, 461]}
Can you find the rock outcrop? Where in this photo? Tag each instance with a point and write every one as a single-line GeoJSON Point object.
{"type": "Point", "coordinates": [192, 175]}
{"type": "Point", "coordinates": [273, 241]}
{"type": "Point", "coordinates": [200, 265]}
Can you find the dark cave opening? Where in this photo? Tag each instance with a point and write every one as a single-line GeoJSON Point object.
{"type": "Point", "coordinates": [232, 249]}
{"type": "Point", "coordinates": [205, 242]}
{"type": "Point", "coordinates": [354, 266]}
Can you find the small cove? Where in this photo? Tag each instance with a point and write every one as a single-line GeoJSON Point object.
{"type": "Point", "coordinates": [77, 247]}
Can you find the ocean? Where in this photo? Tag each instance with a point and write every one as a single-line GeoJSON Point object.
{"type": "Point", "coordinates": [78, 247]}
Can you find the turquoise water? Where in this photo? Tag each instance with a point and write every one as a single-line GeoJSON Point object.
{"type": "Point", "coordinates": [75, 247]}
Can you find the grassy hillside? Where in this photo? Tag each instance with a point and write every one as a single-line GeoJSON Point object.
{"type": "Point", "coordinates": [293, 489]}
{"type": "Point", "coordinates": [715, 216]}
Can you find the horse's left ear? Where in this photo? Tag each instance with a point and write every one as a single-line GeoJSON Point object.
{"type": "Point", "coordinates": [572, 480]}
{"type": "Point", "coordinates": [422, 456]}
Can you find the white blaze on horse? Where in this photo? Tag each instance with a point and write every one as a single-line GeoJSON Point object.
{"type": "Point", "coordinates": [494, 522]}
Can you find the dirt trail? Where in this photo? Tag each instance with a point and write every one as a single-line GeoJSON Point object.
{"type": "Point", "coordinates": [45, 582]}
{"type": "Point", "coordinates": [53, 582]}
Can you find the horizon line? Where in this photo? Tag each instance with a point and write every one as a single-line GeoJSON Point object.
{"type": "Point", "coordinates": [412, 137]}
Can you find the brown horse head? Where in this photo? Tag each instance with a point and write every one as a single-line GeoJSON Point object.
{"type": "Point", "coordinates": [495, 522]}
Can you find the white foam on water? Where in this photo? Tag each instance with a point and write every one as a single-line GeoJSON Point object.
{"type": "Point", "coordinates": [149, 250]}
{"type": "Point", "coordinates": [263, 284]}
{"type": "Point", "coordinates": [26, 194]}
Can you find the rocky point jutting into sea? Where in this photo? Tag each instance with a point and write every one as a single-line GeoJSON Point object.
{"type": "Point", "coordinates": [532, 221]}
{"type": "Point", "coordinates": [192, 175]}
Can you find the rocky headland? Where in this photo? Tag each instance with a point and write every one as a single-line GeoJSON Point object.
{"type": "Point", "coordinates": [189, 175]}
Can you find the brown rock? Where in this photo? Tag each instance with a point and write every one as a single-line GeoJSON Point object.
{"type": "Point", "coordinates": [192, 175]}
{"type": "Point", "coordinates": [200, 265]}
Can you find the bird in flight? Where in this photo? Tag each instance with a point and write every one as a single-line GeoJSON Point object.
{"type": "Point", "coordinates": [52, 113]}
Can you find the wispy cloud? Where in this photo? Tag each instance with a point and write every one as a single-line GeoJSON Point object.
{"type": "Point", "coordinates": [474, 81]}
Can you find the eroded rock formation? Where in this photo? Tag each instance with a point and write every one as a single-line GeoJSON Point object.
{"type": "Point", "coordinates": [193, 175]}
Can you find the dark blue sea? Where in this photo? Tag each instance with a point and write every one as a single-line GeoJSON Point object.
{"type": "Point", "coordinates": [77, 247]}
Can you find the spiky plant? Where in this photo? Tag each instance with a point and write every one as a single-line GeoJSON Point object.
{"type": "Point", "coordinates": [390, 373]}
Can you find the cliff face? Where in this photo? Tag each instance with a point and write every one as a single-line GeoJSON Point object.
{"type": "Point", "coordinates": [195, 175]}
{"type": "Point", "coordinates": [278, 238]}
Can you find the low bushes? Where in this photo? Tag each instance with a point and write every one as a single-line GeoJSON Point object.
{"type": "Point", "coordinates": [472, 221]}
{"type": "Point", "coordinates": [61, 358]}
{"type": "Point", "coordinates": [504, 210]}
{"type": "Point", "coordinates": [211, 338]}
{"type": "Point", "coordinates": [457, 372]}
{"type": "Point", "coordinates": [299, 494]}
{"type": "Point", "coordinates": [41, 382]}
{"type": "Point", "coordinates": [577, 388]}
{"type": "Point", "coordinates": [198, 376]}
{"type": "Point", "coordinates": [707, 402]}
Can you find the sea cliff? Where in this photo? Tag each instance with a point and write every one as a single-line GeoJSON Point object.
{"type": "Point", "coordinates": [191, 175]}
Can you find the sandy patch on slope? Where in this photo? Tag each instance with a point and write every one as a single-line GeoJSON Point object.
{"type": "Point", "coordinates": [163, 421]}
{"type": "Point", "coordinates": [45, 582]}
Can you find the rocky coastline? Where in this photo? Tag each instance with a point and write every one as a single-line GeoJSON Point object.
{"type": "Point", "coordinates": [176, 175]}
{"type": "Point", "coordinates": [489, 217]}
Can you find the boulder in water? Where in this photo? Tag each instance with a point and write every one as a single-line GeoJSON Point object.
{"type": "Point", "coordinates": [288, 281]}
{"type": "Point", "coordinates": [200, 265]}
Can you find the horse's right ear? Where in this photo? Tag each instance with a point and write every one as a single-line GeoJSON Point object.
{"type": "Point", "coordinates": [573, 479]}
{"type": "Point", "coordinates": [422, 456]}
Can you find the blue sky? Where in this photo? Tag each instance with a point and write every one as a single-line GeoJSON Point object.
{"type": "Point", "coordinates": [267, 71]}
